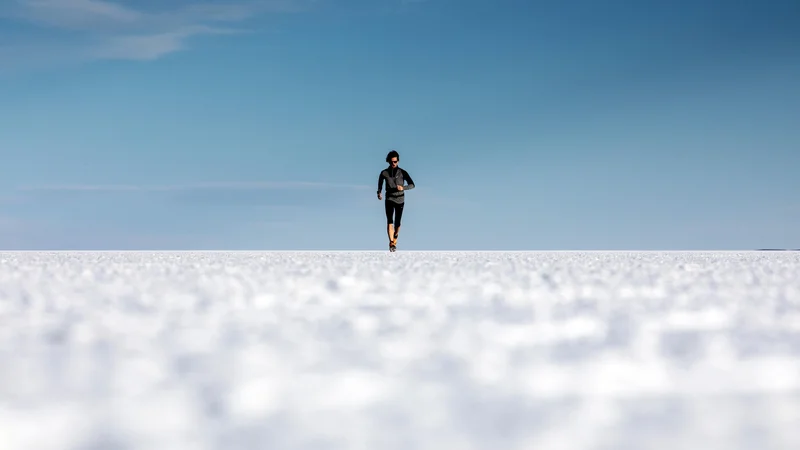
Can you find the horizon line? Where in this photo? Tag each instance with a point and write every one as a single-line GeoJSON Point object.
{"type": "Point", "coordinates": [233, 185]}
{"type": "Point", "coordinates": [386, 251]}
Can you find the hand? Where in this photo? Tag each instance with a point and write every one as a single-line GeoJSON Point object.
{"type": "Point", "coordinates": [399, 188]}
{"type": "Point", "coordinates": [379, 197]}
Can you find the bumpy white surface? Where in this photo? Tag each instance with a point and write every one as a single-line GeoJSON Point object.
{"type": "Point", "coordinates": [412, 350]}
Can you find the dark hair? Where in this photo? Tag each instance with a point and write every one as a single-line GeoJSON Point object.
{"type": "Point", "coordinates": [392, 154]}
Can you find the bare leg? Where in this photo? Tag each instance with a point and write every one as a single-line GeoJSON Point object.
{"type": "Point", "coordinates": [390, 233]}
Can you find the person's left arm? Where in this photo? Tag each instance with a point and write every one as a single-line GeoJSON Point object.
{"type": "Point", "coordinates": [408, 180]}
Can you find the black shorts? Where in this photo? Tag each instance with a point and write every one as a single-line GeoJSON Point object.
{"type": "Point", "coordinates": [393, 209]}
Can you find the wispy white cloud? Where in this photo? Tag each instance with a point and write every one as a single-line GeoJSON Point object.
{"type": "Point", "coordinates": [73, 14]}
{"type": "Point", "coordinates": [61, 31]}
{"type": "Point", "coordinates": [150, 46]}
{"type": "Point", "coordinates": [254, 185]}
{"type": "Point", "coordinates": [121, 15]}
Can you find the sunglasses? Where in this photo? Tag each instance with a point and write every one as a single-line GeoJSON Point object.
{"type": "Point", "coordinates": [394, 161]}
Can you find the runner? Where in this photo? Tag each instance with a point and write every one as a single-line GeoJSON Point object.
{"type": "Point", "coordinates": [395, 178]}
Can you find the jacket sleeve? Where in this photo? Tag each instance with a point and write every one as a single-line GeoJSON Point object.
{"type": "Point", "coordinates": [380, 182]}
{"type": "Point", "coordinates": [409, 181]}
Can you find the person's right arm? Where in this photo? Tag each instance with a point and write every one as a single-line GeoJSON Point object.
{"type": "Point", "coordinates": [380, 184]}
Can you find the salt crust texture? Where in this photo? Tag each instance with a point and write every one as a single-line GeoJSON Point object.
{"type": "Point", "coordinates": [410, 350]}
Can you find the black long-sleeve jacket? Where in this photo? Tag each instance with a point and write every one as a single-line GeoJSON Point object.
{"type": "Point", "coordinates": [394, 177]}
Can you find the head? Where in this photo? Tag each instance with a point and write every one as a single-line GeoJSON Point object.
{"type": "Point", "coordinates": [393, 158]}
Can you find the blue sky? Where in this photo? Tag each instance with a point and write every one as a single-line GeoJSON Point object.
{"type": "Point", "coordinates": [527, 125]}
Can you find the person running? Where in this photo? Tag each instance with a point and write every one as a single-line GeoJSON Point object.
{"type": "Point", "coordinates": [395, 178]}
